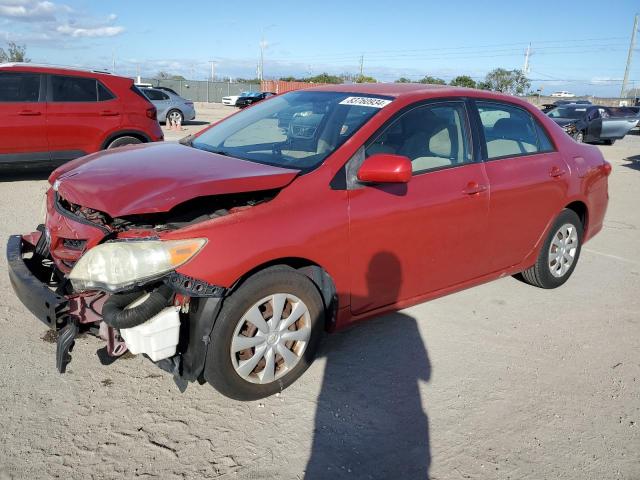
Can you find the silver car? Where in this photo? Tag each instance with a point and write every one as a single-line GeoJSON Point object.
{"type": "Point", "coordinates": [170, 106]}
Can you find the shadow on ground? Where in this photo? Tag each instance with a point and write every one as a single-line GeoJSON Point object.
{"type": "Point", "coordinates": [370, 422]}
{"type": "Point", "coordinates": [634, 162]}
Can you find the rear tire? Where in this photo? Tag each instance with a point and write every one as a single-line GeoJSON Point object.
{"type": "Point", "coordinates": [174, 116]}
{"type": "Point", "coordinates": [559, 254]}
{"type": "Point", "coordinates": [122, 141]}
{"type": "Point", "coordinates": [244, 373]}
{"type": "Point", "coordinates": [609, 141]}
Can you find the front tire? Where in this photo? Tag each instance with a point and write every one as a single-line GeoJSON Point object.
{"type": "Point", "coordinates": [579, 137]}
{"type": "Point", "coordinates": [610, 141]}
{"type": "Point", "coordinates": [559, 254]}
{"type": "Point", "coordinates": [266, 335]}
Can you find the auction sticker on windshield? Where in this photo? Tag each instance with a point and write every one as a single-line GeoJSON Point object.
{"type": "Point", "coordinates": [366, 102]}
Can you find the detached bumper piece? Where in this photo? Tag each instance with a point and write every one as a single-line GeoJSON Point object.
{"type": "Point", "coordinates": [32, 277]}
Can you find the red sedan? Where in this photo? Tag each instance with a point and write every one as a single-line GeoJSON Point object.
{"type": "Point", "coordinates": [224, 257]}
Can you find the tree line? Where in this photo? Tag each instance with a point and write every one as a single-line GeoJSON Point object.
{"type": "Point", "coordinates": [499, 80]}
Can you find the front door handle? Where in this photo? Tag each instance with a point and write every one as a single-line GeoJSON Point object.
{"type": "Point", "coordinates": [473, 188]}
{"type": "Point", "coordinates": [109, 113]}
{"type": "Point", "coordinates": [556, 172]}
{"type": "Point", "coordinates": [29, 113]}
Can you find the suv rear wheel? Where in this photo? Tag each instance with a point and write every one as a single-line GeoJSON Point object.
{"type": "Point", "coordinates": [122, 141]}
{"type": "Point", "coordinates": [266, 335]}
{"type": "Point", "coordinates": [175, 116]}
{"type": "Point", "coordinates": [559, 253]}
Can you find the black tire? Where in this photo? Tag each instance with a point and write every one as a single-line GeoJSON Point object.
{"type": "Point", "coordinates": [174, 113]}
{"type": "Point", "coordinates": [219, 369]}
{"type": "Point", "coordinates": [610, 141]}
{"type": "Point", "coordinates": [540, 274]}
{"type": "Point", "coordinates": [122, 141]}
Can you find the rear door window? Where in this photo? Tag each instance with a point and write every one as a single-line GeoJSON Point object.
{"type": "Point", "coordinates": [510, 131]}
{"type": "Point", "coordinates": [19, 87]}
{"type": "Point", "coordinates": [73, 89]}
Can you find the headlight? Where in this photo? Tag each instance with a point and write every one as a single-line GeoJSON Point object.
{"type": "Point", "coordinates": [118, 265]}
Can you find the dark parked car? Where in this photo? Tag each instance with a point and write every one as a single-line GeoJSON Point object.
{"type": "Point", "coordinates": [54, 114]}
{"type": "Point", "coordinates": [592, 123]}
{"type": "Point", "coordinates": [547, 107]}
{"type": "Point", "coordinates": [251, 98]}
{"type": "Point", "coordinates": [224, 258]}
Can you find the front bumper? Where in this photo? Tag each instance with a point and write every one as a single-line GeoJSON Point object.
{"type": "Point", "coordinates": [28, 277]}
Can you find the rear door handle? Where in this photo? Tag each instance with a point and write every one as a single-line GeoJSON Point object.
{"type": "Point", "coordinates": [556, 172]}
{"type": "Point", "coordinates": [474, 188]}
{"type": "Point", "coordinates": [109, 113]}
{"type": "Point", "coordinates": [29, 113]}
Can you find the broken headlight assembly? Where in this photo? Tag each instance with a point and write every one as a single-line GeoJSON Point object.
{"type": "Point", "coordinates": [116, 266]}
{"type": "Point", "coordinates": [570, 129]}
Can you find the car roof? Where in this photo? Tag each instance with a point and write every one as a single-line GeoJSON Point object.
{"type": "Point", "coordinates": [416, 90]}
{"type": "Point", "coordinates": [55, 69]}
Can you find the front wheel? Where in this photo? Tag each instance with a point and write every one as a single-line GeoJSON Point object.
{"type": "Point", "coordinates": [266, 334]}
{"type": "Point", "coordinates": [610, 141]}
{"type": "Point", "coordinates": [579, 137]}
{"type": "Point", "coordinates": [559, 253]}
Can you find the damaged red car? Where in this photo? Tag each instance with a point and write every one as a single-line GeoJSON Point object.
{"type": "Point", "coordinates": [224, 257]}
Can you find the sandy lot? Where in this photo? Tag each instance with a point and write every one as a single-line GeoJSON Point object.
{"type": "Point", "coordinates": [503, 381]}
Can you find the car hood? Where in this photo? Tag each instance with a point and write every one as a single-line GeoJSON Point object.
{"type": "Point", "coordinates": [156, 177]}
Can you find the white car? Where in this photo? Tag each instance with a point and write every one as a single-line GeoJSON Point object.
{"type": "Point", "coordinates": [563, 94]}
{"type": "Point", "coordinates": [232, 99]}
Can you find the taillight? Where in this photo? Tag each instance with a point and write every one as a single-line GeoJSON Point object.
{"type": "Point", "coordinates": [606, 167]}
{"type": "Point", "coordinates": [152, 113]}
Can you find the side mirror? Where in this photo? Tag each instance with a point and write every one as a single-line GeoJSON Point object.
{"type": "Point", "coordinates": [385, 168]}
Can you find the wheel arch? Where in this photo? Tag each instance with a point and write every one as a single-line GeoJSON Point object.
{"type": "Point", "coordinates": [125, 133]}
{"type": "Point", "coordinates": [316, 273]}
{"type": "Point", "coordinates": [581, 209]}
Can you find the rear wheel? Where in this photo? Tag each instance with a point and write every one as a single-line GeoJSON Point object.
{"type": "Point", "coordinates": [610, 141]}
{"type": "Point", "coordinates": [122, 141]}
{"type": "Point", "coordinates": [266, 334]}
{"type": "Point", "coordinates": [175, 116]}
{"type": "Point", "coordinates": [559, 253]}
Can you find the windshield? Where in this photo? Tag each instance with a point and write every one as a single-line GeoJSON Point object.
{"type": "Point", "coordinates": [567, 112]}
{"type": "Point", "coordinates": [295, 130]}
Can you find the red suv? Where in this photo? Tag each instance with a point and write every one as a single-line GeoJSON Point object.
{"type": "Point", "coordinates": [52, 114]}
{"type": "Point", "coordinates": [223, 258]}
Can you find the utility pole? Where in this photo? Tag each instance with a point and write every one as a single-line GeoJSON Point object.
{"type": "Point", "coordinates": [213, 70]}
{"type": "Point", "coordinates": [527, 55]}
{"type": "Point", "coordinates": [263, 44]}
{"type": "Point", "coordinates": [361, 65]}
{"type": "Point", "coordinates": [632, 45]}
{"type": "Point", "coordinates": [113, 61]}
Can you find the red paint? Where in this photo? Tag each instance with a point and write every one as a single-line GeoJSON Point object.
{"type": "Point", "coordinates": [52, 128]}
{"type": "Point", "coordinates": [386, 245]}
{"type": "Point", "coordinates": [385, 168]}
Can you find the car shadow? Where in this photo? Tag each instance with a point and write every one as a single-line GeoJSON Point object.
{"type": "Point", "coordinates": [634, 162]}
{"type": "Point", "coordinates": [370, 421]}
{"type": "Point", "coordinates": [196, 122]}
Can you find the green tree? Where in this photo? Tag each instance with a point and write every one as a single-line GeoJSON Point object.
{"type": "Point", "coordinates": [14, 53]}
{"type": "Point", "coordinates": [324, 78]}
{"type": "Point", "coordinates": [432, 80]}
{"type": "Point", "coordinates": [288, 79]}
{"type": "Point", "coordinates": [463, 81]}
{"type": "Point", "coordinates": [403, 80]}
{"type": "Point", "coordinates": [513, 82]}
{"type": "Point", "coordinates": [161, 75]}
{"type": "Point", "coordinates": [365, 79]}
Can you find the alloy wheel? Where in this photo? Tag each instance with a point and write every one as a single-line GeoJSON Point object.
{"type": "Point", "coordinates": [563, 249]}
{"type": "Point", "coordinates": [270, 338]}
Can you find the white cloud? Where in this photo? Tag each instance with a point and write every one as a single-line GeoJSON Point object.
{"type": "Point", "coordinates": [30, 10]}
{"type": "Point", "coordinates": [105, 31]}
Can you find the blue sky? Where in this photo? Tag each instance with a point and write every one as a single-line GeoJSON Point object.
{"type": "Point", "coordinates": [408, 38]}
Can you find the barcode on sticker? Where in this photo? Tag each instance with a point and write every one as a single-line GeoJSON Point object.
{"type": "Point", "coordinates": [366, 102]}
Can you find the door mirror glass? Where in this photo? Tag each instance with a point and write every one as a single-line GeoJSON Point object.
{"type": "Point", "coordinates": [385, 168]}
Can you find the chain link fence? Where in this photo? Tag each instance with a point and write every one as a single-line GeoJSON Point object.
{"type": "Point", "coordinates": [203, 91]}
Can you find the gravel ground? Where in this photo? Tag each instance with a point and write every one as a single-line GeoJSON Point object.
{"type": "Point", "coordinates": [503, 381]}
